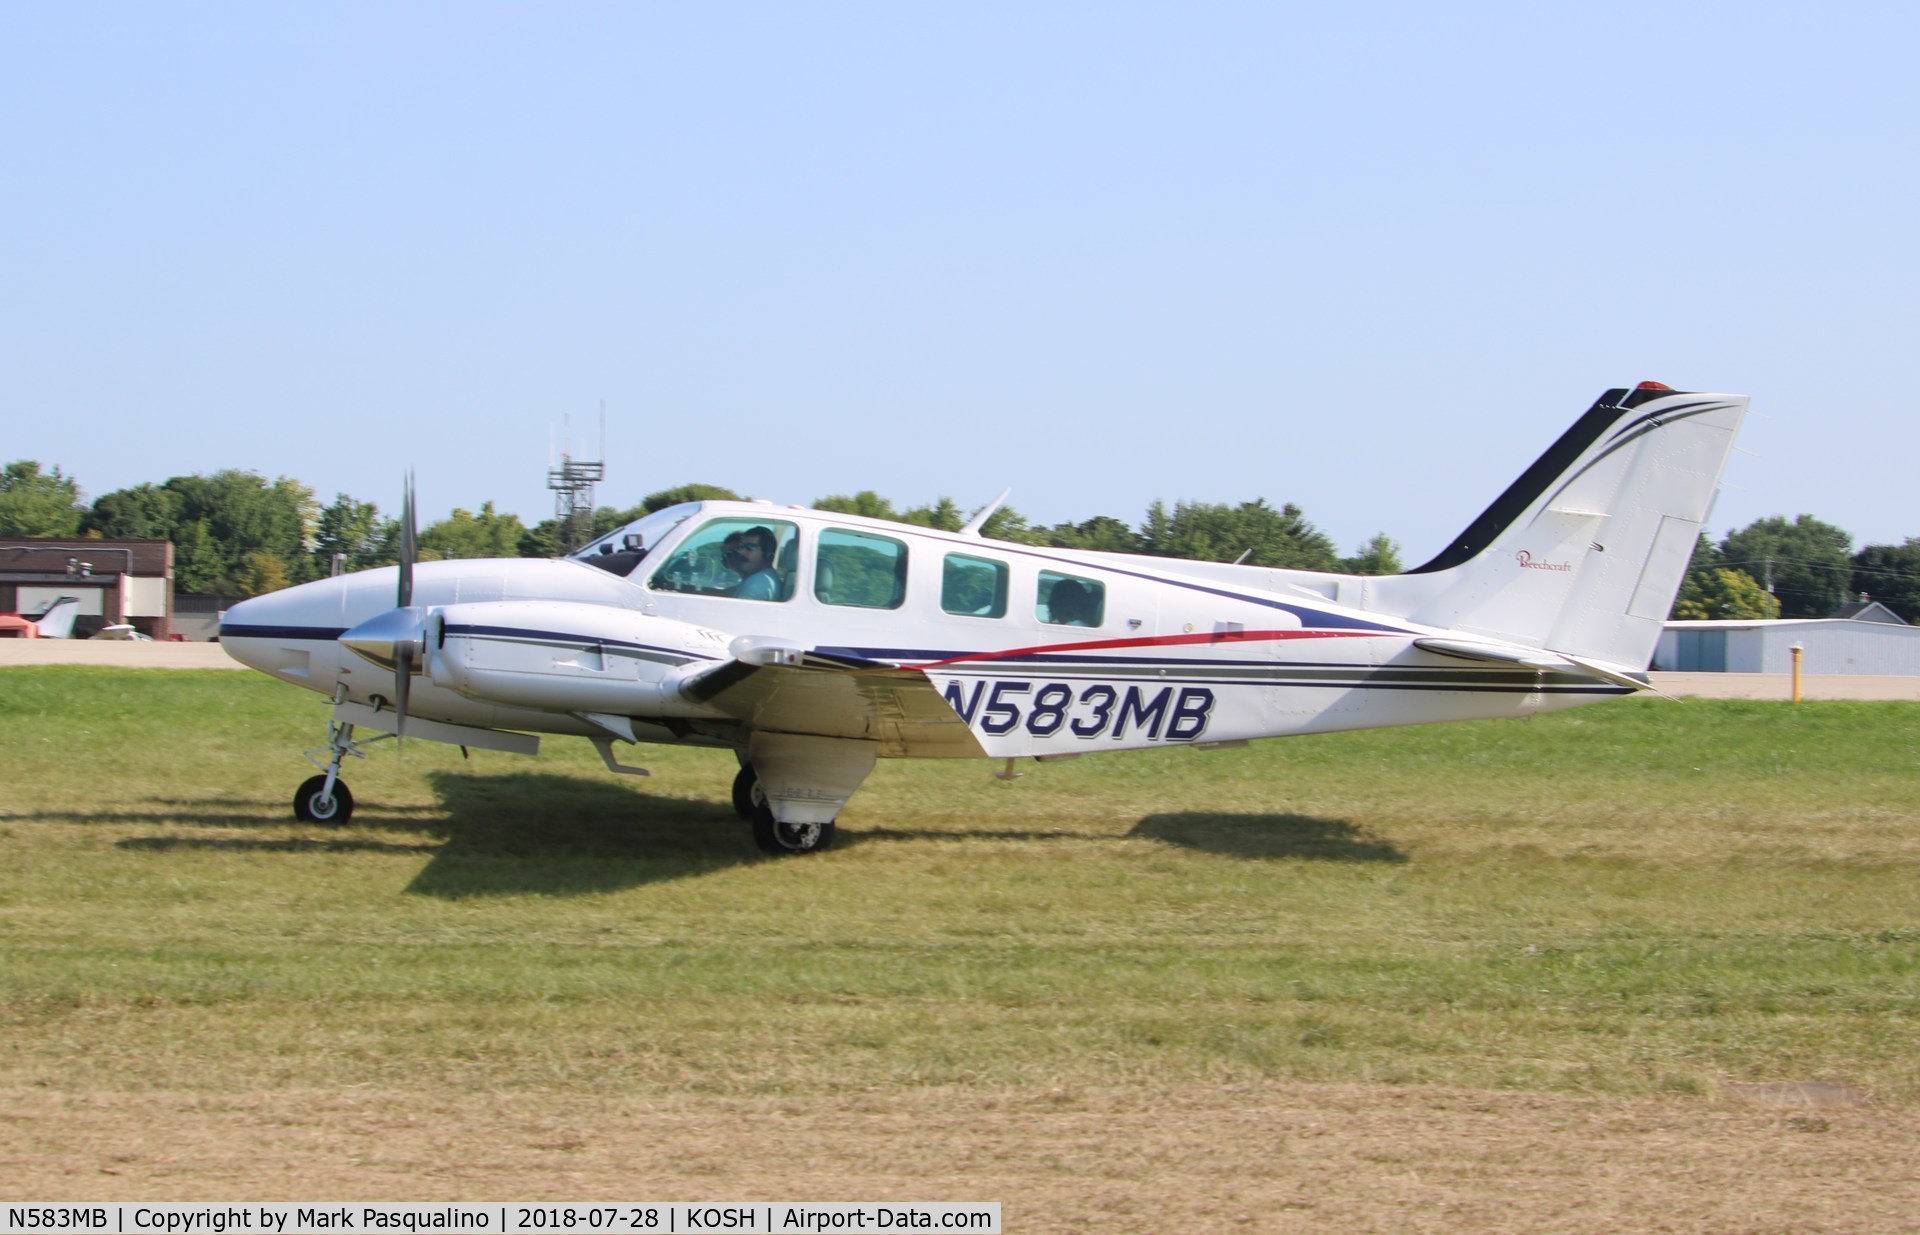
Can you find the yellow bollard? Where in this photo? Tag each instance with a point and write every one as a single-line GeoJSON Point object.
{"type": "Point", "coordinates": [1797, 650]}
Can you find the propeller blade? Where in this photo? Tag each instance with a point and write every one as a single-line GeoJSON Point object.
{"type": "Point", "coordinates": [409, 544]}
{"type": "Point", "coordinates": [406, 660]}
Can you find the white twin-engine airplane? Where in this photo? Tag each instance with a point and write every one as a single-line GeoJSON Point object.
{"type": "Point", "coordinates": [812, 643]}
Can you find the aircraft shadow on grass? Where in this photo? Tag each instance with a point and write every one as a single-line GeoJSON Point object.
{"type": "Point", "coordinates": [238, 814]}
{"type": "Point", "coordinates": [568, 836]}
{"type": "Point", "coordinates": [495, 835]}
{"type": "Point", "coordinates": [563, 835]}
{"type": "Point", "coordinates": [1268, 836]}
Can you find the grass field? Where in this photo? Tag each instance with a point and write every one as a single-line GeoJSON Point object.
{"type": "Point", "coordinates": [1643, 898]}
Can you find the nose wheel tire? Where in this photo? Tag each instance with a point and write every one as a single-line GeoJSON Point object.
{"type": "Point", "coordinates": [312, 805]}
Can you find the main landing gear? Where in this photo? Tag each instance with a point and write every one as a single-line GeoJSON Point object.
{"type": "Point", "coordinates": [780, 839]}
{"type": "Point", "coordinates": [791, 787]}
{"type": "Point", "coordinates": [325, 798]}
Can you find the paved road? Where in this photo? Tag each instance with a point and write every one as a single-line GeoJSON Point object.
{"type": "Point", "coordinates": [118, 652]}
{"type": "Point", "coordinates": [1780, 685]}
{"type": "Point", "coordinates": [1704, 685]}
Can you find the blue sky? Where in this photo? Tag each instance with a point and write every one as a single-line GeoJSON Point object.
{"type": "Point", "coordinates": [1368, 259]}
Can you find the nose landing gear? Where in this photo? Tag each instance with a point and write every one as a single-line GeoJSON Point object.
{"type": "Point", "coordinates": [317, 802]}
{"type": "Point", "coordinates": [325, 798]}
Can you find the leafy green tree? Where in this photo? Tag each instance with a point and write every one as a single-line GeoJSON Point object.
{"type": "Point", "coordinates": [1890, 574]}
{"type": "Point", "coordinates": [1706, 558]}
{"type": "Point", "coordinates": [464, 534]}
{"type": "Point", "coordinates": [1808, 563]}
{"type": "Point", "coordinates": [547, 539]}
{"type": "Point", "coordinates": [356, 532]}
{"type": "Point", "coordinates": [1010, 525]}
{"type": "Point", "coordinates": [196, 560]}
{"type": "Point", "coordinates": [865, 503]}
{"type": "Point", "coordinates": [1102, 533]}
{"type": "Point", "coordinates": [217, 524]}
{"type": "Point", "coordinates": [263, 572]}
{"type": "Point", "coordinates": [1379, 556]}
{"type": "Point", "coordinates": [685, 493]}
{"type": "Point", "coordinates": [1222, 533]}
{"type": "Point", "coordinates": [144, 512]}
{"type": "Point", "coordinates": [1723, 593]}
{"type": "Point", "coordinates": [944, 514]}
{"type": "Point", "coordinates": [39, 504]}
{"type": "Point", "coordinates": [542, 540]}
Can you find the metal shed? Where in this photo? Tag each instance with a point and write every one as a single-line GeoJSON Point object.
{"type": "Point", "coordinates": [1832, 645]}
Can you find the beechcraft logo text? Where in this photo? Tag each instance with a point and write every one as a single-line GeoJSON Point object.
{"type": "Point", "coordinates": [1525, 558]}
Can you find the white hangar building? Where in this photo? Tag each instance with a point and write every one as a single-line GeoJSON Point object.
{"type": "Point", "coordinates": [1870, 638]}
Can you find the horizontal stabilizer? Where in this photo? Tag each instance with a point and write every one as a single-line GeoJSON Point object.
{"type": "Point", "coordinates": [1529, 658]}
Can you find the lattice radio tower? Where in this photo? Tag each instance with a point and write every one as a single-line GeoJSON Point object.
{"type": "Point", "coordinates": [572, 484]}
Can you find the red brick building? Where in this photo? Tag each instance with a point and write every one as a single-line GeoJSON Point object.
{"type": "Point", "coordinates": [116, 581]}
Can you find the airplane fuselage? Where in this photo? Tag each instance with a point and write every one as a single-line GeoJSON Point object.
{"type": "Point", "coordinates": [1173, 657]}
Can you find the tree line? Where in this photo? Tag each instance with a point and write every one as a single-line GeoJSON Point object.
{"type": "Point", "coordinates": [235, 533]}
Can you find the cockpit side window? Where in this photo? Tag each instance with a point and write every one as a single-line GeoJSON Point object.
{"type": "Point", "coordinates": [617, 557]}
{"type": "Point", "coordinates": [737, 556]}
{"type": "Point", "coordinates": [620, 551]}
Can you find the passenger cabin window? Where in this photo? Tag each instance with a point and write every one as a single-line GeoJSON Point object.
{"type": "Point", "coordinates": [1069, 600]}
{"type": "Point", "coordinates": [973, 586]}
{"type": "Point", "coordinates": [748, 558]}
{"type": "Point", "coordinates": [860, 569]}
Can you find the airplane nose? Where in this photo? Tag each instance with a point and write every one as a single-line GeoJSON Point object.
{"type": "Point", "coordinates": [289, 634]}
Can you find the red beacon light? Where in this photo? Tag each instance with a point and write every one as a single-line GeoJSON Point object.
{"type": "Point", "coordinates": [1653, 386]}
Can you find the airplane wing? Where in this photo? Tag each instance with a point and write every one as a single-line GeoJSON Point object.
{"type": "Point", "coordinates": [838, 697]}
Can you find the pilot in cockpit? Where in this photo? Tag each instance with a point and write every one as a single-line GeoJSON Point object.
{"type": "Point", "coordinates": [749, 554]}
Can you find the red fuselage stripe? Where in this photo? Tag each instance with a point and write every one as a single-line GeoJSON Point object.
{"type": "Point", "coordinates": [1162, 641]}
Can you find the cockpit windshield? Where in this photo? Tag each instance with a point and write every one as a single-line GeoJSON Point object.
{"type": "Point", "coordinates": [622, 549]}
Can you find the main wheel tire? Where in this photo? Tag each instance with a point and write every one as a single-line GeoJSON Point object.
{"type": "Point", "coordinates": [787, 840]}
{"type": "Point", "coordinates": [746, 793]}
{"type": "Point", "coordinates": [311, 806]}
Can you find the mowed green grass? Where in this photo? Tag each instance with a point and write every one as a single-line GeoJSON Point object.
{"type": "Point", "coordinates": [1641, 896]}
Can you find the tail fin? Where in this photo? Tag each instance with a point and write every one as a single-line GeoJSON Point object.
{"type": "Point", "coordinates": [56, 621]}
{"type": "Point", "coordinates": [1585, 552]}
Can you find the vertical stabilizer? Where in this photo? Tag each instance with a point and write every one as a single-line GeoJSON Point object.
{"type": "Point", "coordinates": [1585, 552]}
{"type": "Point", "coordinates": [56, 622]}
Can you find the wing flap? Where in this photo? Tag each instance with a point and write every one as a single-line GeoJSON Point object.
{"type": "Point", "coordinates": [835, 697]}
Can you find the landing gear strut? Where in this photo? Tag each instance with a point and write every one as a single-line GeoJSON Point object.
{"type": "Point", "coordinates": [326, 798]}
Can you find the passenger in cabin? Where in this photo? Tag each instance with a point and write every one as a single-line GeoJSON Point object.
{"type": "Point", "coordinates": [749, 554]}
{"type": "Point", "coordinates": [1070, 604]}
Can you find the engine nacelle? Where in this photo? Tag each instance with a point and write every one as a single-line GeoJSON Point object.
{"type": "Point", "coordinates": [559, 656]}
